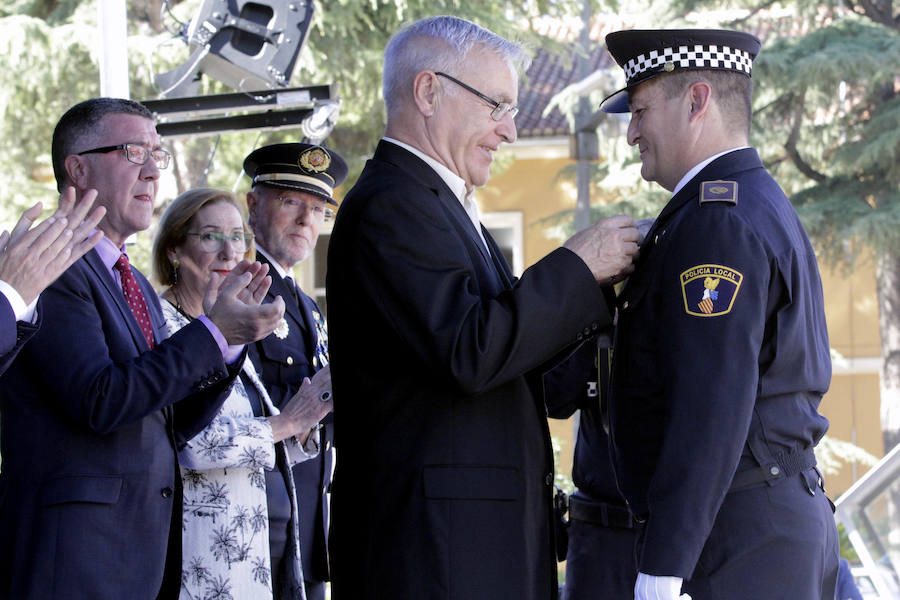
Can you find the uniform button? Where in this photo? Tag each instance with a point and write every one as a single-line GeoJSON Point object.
{"type": "Point", "coordinates": [579, 337]}
{"type": "Point", "coordinates": [166, 492]}
{"type": "Point", "coordinates": [587, 331]}
{"type": "Point", "coordinates": [625, 304]}
{"type": "Point", "coordinates": [290, 360]}
{"type": "Point", "coordinates": [595, 326]}
{"type": "Point", "coordinates": [774, 470]}
{"type": "Point", "coordinates": [549, 479]}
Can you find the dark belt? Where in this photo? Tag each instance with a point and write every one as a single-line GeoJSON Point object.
{"type": "Point", "coordinates": [781, 466]}
{"type": "Point", "coordinates": [600, 513]}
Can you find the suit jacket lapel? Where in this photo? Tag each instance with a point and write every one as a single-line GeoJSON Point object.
{"type": "Point", "coordinates": [424, 174]}
{"type": "Point", "coordinates": [310, 324]}
{"type": "Point", "coordinates": [296, 311]}
{"type": "Point", "coordinates": [279, 287]}
{"type": "Point", "coordinates": [118, 298]}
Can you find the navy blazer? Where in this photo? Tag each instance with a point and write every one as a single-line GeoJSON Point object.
{"type": "Point", "coordinates": [282, 363]}
{"type": "Point", "coordinates": [89, 482]}
{"type": "Point", "coordinates": [444, 463]}
{"type": "Point", "coordinates": [13, 334]}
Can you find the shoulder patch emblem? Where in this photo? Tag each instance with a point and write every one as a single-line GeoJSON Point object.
{"type": "Point", "coordinates": [710, 290]}
{"type": "Point", "coordinates": [719, 191]}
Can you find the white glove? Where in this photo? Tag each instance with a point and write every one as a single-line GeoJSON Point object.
{"type": "Point", "coordinates": [652, 587]}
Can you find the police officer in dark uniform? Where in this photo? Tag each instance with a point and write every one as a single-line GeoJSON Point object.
{"type": "Point", "coordinates": [292, 196]}
{"type": "Point", "coordinates": [721, 353]}
{"type": "Point", "coordinates": [599, 537]}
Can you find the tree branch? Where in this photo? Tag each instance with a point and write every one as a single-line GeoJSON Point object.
{"type": "Point", "coordinates": [791, 144]}
{"type": "Point", "coordinates": [758, 8]}
{"type": "Point", "coordinates": [877, 13]}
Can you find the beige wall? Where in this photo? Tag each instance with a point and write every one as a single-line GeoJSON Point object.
{"type": "Point", "coordinates": [851, 405]}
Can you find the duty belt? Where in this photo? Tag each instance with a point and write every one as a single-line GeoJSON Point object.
{"type": "Point", "coordinates": [781, 466]}
{"type": "Point", "coordinates": [600, 513]}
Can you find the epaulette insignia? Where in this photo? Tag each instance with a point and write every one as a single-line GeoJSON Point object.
{"type": "Point", "coordinates": [719, 191]}
{"type": "Point", "coordinates": [710, 290]}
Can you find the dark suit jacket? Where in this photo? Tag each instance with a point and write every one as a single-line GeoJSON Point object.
{"type": "Point", "coordinates": [282, 365]}
{"type": "Point", "coordinates": [444, 464]}
{"type": "Point", "coordinates": [13, 334]}
{"type": "Point", "coordinates": [89, 482]}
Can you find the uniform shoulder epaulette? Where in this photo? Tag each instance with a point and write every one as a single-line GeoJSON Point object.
{"type": "Point", "coordinates": [719, 191]}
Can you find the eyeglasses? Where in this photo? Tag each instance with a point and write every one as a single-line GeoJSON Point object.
{"type": "Point", "coordinates": [135, 153]}
{"type": "Point", "coordinates": [213, 241]}
{"type": "Point", "coordinates": [319, 211]}
{"type": "Point", "coordinates": [500, 108]}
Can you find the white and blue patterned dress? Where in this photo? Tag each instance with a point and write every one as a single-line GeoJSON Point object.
{"type": "Point", "coordinates": [225, 537]}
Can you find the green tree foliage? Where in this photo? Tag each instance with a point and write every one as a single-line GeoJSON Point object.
{"type": "Point", "coordinates": [827, 123]}
{"type": "Point", "coordinates": [50, 63]}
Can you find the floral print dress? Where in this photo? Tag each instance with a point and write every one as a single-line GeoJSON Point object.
{"type": "Point", "coordinates": [225, 537]}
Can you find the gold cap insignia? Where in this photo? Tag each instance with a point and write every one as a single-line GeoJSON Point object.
{"type": "Point", "coordinates": [314, 160]}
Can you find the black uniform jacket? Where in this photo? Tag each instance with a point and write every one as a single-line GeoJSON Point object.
{"type": "Point", "coordinates": [721, 354]}
{"type": "Point", "coordinates": [444, 464]}
{"type": "Point", "coordinates": [282, 362]}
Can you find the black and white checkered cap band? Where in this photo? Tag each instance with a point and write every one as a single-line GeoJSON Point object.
{"type": "Point", "coordinates": [693, 57]}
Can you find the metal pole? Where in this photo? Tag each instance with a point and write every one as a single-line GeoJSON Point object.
{"type": "Point", "coordinates": [112, 48]}
{"type": "Point", "coordinates": [583, 113]}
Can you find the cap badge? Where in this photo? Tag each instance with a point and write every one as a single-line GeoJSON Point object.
{"type": "Point", "coordinates": [314, 160]}
{"type": "Point", "coordinates": [669, 67]}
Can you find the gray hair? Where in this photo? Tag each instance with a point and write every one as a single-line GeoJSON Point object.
{"type": "Point", "coordinates": [79, 125]}
{"type": "Point", "coordinates": [439, 44]}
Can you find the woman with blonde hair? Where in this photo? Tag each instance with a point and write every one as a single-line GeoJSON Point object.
{"type": "Point", "coordinates": [240, 518]}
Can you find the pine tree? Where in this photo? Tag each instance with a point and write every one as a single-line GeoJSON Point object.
{"type": "Point", "coordinates": [827, 123]}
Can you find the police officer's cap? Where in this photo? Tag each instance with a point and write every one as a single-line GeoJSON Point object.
{"type": "Point", "coordinates": [646, 53]}
{"type": "Point", "coordinates": [303, 167]}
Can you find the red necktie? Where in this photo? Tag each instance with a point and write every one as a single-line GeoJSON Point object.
{"type": "Point", "coordinates": [135, 298]}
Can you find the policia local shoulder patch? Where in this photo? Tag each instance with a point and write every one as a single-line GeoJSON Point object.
{"type": "Point", "coordinates": [710, 290]}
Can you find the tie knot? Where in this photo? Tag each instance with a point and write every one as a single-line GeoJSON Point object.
{"type": "Point", "coordinates": [122, 264]}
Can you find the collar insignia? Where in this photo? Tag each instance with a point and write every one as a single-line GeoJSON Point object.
{"type": "Point", "coordinates": [719, 191]}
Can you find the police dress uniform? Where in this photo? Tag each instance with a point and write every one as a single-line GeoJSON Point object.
{"type": "Point", "coordinates": [721, 360]}
{"type": "Point", "coordinates": [298, 348]}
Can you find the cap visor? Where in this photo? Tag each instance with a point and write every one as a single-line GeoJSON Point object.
{"type": "Point", "coordinates": [617, 102]}
{"type": "Point", "coordinates": [301, 187]}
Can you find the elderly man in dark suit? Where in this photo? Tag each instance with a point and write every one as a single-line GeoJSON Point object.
{"type": "Point", "coordinates": [444, 464]}
{"type": "Point", "coordinates": [97, 402]}
{"type": "Point", "coordinates": [31, 258]}
{"type": "Point", "coordinates": [292, 196]}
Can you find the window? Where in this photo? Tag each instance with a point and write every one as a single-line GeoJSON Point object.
{"type": "Point", "coordinates": [506, 229]}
